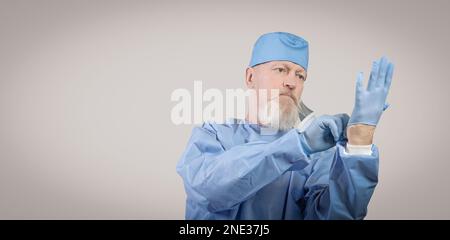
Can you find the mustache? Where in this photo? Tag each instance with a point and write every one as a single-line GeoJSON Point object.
{"type": "Point", "coordinates": [289, 94]}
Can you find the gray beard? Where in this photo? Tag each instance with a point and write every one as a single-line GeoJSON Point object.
{"type": "Point", "coordinates": [289, 118]}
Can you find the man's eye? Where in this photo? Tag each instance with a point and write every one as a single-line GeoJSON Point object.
{"type": "Point", "coordinates": [301, 77]}
{"type": "Point", "coordinates": [280, 70]}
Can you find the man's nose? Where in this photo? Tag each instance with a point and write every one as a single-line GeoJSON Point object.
{"type": "Point", "coordinates": [290, 83]}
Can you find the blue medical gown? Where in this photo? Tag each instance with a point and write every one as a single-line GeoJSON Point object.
{"type": "Point", "coordinates": [231, 171]}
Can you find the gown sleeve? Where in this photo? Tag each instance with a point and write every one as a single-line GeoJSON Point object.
{"type": "Point", "coordinates": [344, 190]}
{"type": "Point", "coordinates": [221, 179]}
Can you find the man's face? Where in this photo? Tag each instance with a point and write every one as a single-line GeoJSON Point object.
{"type": "Point", "coordinates": [285, 76]}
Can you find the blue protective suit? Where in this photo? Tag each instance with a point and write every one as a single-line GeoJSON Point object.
{"type": "Point", "coordinates": [230, 171]}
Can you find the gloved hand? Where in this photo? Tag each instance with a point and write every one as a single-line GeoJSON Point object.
{"type": "Point", "coordinates": [324, 132]}
{"type": "Point", "coordinates": [371, 102]}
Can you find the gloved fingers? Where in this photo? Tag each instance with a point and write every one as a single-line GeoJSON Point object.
{"type": "Point", "coordinates": [342, 119]}
{"type": "Point", "coordinates": [342, 123]}
{"type": "Point", "coordinates": [344, 135]}
{"type": "Point", "coordinates": [383, 72]}
{"type": "Point", "coordinates": [388, 81]}
{"type": "Point", "coordinates": [333, 128]}
{"type": "Point", "coordinates": [336, 124]}
{"type": "Point", "coordinates": [373, 75]}
{"type": "Point", "coordinates": [360, 82]}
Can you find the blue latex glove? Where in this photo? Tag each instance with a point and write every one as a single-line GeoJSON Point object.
{"type": "Point", "coordinates": [324, 132]}
{"type": "Point", "coordinates": [371, 102]}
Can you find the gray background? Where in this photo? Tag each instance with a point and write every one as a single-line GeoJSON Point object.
{"type": "Point", "coordinates": [85, 87]}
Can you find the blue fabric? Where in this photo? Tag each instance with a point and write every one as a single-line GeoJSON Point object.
{"type": "Point", "coordinates": [231, 171]}
{"type": "Point", "coordinates": [280, 46]}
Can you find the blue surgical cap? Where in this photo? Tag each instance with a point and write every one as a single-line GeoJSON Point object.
{"type": "Point", "coordinates": [280, 46]}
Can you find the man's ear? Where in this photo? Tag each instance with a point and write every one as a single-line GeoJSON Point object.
{"type": "Point", "coordinates": [249, 77]}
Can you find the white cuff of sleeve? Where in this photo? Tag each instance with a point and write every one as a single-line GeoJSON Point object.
{"type": "Point", "coordinates": [358, 149]}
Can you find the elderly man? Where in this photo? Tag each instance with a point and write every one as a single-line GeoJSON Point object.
{"type": "Point", "coordinates": [327, 171]}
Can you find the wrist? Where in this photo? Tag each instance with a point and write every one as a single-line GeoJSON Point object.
{"type": "Point", "coordinates": [360, 134]}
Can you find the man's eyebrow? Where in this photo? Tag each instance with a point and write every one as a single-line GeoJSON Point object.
{"type": "Point", "coordinates": [286, 66]}
{"type": "Point", "coordinates": [301, 71]}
